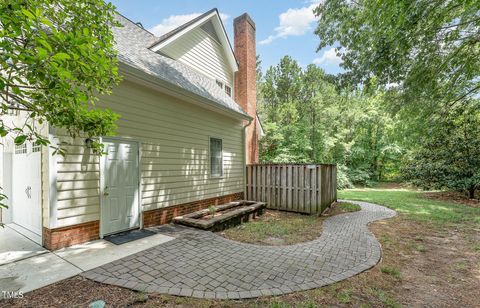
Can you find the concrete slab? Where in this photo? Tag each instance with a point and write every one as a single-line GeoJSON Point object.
{"type": "Point", "coordinates": [97, 253]}
{"type": "Point", "coordinates": [35, 272]}
{"type": "Point", "coordinates": [28, 271]}
{"type": "Point", "coordinates": [14, 246]}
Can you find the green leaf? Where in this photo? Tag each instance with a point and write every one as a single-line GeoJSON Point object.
{"type": "Point", "coordinates": [42, 53]}
{"type": "Point", "coordinates": [19, 140]}
{"type": "Point", "coordinates": [64, 73]}
{"type": "Point", "coordinates": [3, 131]}
{"type": "Point", "coordinates": [16, 90]}
{"type": "Point", "coordinates": [45, 44]}
{"type": "Point", "coordinates": [28, 14]}
{"type": "Point", "coordinates": [47, 22]}
{"type": "Point", "coordinates": [61, 56]}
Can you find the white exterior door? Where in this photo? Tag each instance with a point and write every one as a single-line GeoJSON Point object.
{"type": "Point", "coordinates": [26, 188]}
{"type": "Point", "coordinates": [120, 186]}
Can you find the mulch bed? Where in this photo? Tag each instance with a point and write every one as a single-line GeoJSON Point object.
{"type": "Point", "coordinates": [75, 292]}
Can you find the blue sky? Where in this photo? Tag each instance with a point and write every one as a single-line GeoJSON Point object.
{"type": "Point", "coordinates": [284, 27]}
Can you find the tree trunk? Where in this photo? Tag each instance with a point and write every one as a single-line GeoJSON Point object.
{"type": "Point", "coordinates": [471, 192]}
{"type": "Point", "coordinates": [314, 154]}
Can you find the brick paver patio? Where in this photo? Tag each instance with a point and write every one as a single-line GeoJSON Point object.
{"type": "Point", "coordinates": [205, 265]}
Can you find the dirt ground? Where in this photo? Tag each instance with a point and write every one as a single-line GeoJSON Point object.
{"type": "Point", "coordinates": [421, 266]}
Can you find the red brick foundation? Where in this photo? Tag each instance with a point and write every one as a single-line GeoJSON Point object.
{"type": "Point", "coordinates": [57, 238]}
{"type": "Point", "coordinates": [165, 215]}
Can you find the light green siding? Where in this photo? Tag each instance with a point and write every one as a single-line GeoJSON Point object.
{"type": "Point", "coordinates": [202, 52]}
{"type": "Point", "coordinates": [174, 138]}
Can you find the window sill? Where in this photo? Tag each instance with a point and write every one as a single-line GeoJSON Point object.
{"type": "Point", "coordinates": [216, 177]}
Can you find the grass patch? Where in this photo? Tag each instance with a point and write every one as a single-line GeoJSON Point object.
{"type": "Point", "coordinates": [278, 305]}
{"type": "Point", "coordinates": [392, 271]}
{"type": "Point", "coordinates": [420, 248]}
{"type": "Point", "coordinates": [416, 207]}
{"type": "Point", "coordinates": [276, 228]}
{"type": "Point", "coordinates": [283, 228]}
{"type": "Point", "coordinates": [476, 247]}
{"type": "Point", "coordinates": [343, 207]}
{"type": "Point", "coordinates": [345, 296]}
{"type": "Point", "coordinates": [384, 298]}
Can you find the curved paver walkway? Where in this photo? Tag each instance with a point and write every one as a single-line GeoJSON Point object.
{"type": "Point", "coordinates": [205, 265]}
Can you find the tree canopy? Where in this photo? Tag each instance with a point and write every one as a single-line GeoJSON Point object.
{"type": "Point", "coordinates": [449, 155]}
{"type": "Point", "coordinates": [308, 120]}
{"type": "Point", "coordinates": [427, 49]}
{"type": "Point", "coordinates": [56, 56]}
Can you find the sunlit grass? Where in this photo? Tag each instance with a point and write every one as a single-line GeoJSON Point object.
{"type": "Point", "coordinates": [416, 207]}
{"type": "Point", "coordinates": [393, 271]}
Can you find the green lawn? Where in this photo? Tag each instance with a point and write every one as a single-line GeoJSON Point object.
{"type": "Point", "coordinates": [416, 207]}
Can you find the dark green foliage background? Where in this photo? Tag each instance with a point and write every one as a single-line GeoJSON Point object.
{"type": "Point", "coordinates": [406, 106]}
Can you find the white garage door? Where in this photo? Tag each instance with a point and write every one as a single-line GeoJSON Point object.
{"type": "Point", "coordinates": [26, 188]}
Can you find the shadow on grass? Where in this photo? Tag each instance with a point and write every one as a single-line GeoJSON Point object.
{"type": "Point", "coordinates": [416, 207]}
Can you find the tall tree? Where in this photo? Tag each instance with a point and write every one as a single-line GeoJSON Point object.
{"type": "Point", "coordinates": [427, 49]}
{"type": "Point", "coordinates": [280, 97]}
{"type": "Point", "coordinates": [56, 57]}
{"type": "Point", "coordinates": [449, 156]}
{"type": "Point", "coordinates": [307, 119]}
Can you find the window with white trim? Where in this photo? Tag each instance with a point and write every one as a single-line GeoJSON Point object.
{"type": "Point", "coordinates": [216, 157]}
{"type": "Point", "coordinates": [21, 148]}
{"type": "Point", "coordinates": [36, 147]}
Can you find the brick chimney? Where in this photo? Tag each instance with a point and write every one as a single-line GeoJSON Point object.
{"type": "Point", "coordinates": [246, 79]}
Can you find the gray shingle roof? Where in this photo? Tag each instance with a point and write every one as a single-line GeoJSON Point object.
{"type": "Point", "coordinates": [132, 43]}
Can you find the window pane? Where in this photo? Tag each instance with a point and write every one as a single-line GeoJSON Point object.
{"type": "Point", "coordinates": [216, 157]}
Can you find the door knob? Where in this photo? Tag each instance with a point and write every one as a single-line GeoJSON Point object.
{"type": "Point", "coordinates": [105, 192]}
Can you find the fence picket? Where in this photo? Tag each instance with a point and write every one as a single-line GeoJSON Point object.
{"type": "Point", "coordinates": [292, 187]}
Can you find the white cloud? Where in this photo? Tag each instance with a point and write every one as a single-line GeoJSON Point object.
{"type": "Point", "coordinates": [174, 21]}
{"type": "Point", "coordinates": [268, 40]}
{"type": "Point", "coordinates": [293, 22]}
{"type": "Point", "coordinates": [328, 57]}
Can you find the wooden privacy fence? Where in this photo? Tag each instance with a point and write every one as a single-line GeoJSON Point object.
{"type": "Point", "coordinates": [293, 187]}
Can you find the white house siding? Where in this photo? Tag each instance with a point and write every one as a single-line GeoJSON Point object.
{"type": "Point", "coordinates": [174, 142]}
{"type": "Point", "coordinates": [78, 188]}
{"type": "Point", "coordinates": [202, 52]}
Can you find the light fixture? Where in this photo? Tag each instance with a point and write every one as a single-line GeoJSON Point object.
{"type": "Point", "coordinates": [89, 142]}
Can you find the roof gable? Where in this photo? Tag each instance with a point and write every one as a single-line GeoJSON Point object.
{"type": "Point", "coordinates": [209, 22]}
{"type": "Point", "coordinates": [136, 59]}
